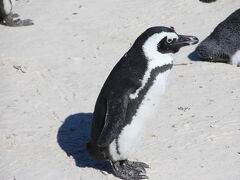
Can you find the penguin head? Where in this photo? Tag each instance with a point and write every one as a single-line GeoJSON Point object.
{"type": "Point", "coordinates": [163, 40]}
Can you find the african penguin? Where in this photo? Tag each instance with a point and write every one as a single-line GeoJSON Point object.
{"type": "Point", "coordinates": [208, 1]}
{"type": "Point", "coordinates": [7, 17]}
{"type": "Point", "coordinates": [129, 96]}
{"type": "Point", "coordinates": [223, 44]}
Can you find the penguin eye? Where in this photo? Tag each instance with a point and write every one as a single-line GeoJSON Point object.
{"type": "Point", "coordinates": [169, 40]}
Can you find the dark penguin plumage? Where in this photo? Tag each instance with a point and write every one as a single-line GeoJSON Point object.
{"type": "Point", "coordinates": [7, 17]}
{"type": "Point", "coordinates": [223, 44]}
{"type": "Point", "coordinates": [128, 97]}
{"type": "Point", "coordinates": [208, 1]}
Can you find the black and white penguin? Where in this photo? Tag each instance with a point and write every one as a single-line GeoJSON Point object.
{"type": "Point", "coordinates": [223, 44]}
{"type": "Point", "coordinates": [7, 17]}
{"type": "Point", "coordinates": [129, 96]}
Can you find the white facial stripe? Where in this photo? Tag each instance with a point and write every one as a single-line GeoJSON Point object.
{"type": "Point", "coordinates": [150, 45]}
{"type": "Point", "coordinates": [172, 36]}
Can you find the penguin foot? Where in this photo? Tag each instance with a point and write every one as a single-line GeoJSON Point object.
{"type": "Point", "coordinates": [138, 165]}
{"type": "Point", "coordinates": [129, 170]}
{"type": "Point", "coordinates": [9, 21]}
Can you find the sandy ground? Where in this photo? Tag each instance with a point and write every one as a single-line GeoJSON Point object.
{"type": "Point", "coordinates": [52, 72]}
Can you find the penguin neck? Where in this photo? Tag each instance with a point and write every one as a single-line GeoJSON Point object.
{"type": "Point", "coordinates": [157, 64]}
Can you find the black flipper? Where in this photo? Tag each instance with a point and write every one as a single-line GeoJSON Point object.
{"type": "Point", "coordinates": [115, 117]}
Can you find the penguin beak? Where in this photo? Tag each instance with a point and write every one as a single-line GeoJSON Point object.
{"type": "Point", "coordinates": [184, 40]}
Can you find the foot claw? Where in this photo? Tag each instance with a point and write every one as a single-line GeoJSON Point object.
{"type": "Point", "coordinates": [27, 22]}
{"type": "Point", "coordinates": [142, 164]}
{"type": "Point", "coordinates": [142, 177]}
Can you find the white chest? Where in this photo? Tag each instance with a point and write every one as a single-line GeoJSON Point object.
{"type": "Point", "coordinates": [150, 103]}
{"type": "Point", "coordinates": [235, 59]}
{"type": "Point", "coordinates": [132, 133]}
{"type": "Point", "coordinates": [8, 5]}
{"type": "Point", "coordinates": [153, 95]}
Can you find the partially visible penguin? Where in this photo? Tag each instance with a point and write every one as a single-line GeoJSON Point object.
{"type": "Point", "coordinates": [223, 44]}
{"type": "Point", "coordinates": [129, 97]}
{"type": "Point", "coordinates": [7, 17]}
{"type": "Point", "coordinates": [208, 1]}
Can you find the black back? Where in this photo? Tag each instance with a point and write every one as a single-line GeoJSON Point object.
{"type": "Point", "coordinates": [223, 42]}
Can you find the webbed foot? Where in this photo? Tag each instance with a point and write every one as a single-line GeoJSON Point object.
{"type": "Point", "coordinates": [10, 21]}
{"type": "Point", "coordinates": [129, 170]}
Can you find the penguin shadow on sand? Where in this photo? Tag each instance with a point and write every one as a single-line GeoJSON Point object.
{"type": "Point", "coordinates": [193, 56]}
{"type": "Point", "coordinates": [72, 137]}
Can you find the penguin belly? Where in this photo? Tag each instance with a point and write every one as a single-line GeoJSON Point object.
{"type": "Point", "coordinates": [235, 59]}
{"type": "Point", "coordinates": [128, 140]}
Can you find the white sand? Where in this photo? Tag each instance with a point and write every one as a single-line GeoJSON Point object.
{"type": "Point", "coordinates": [66, 58]}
